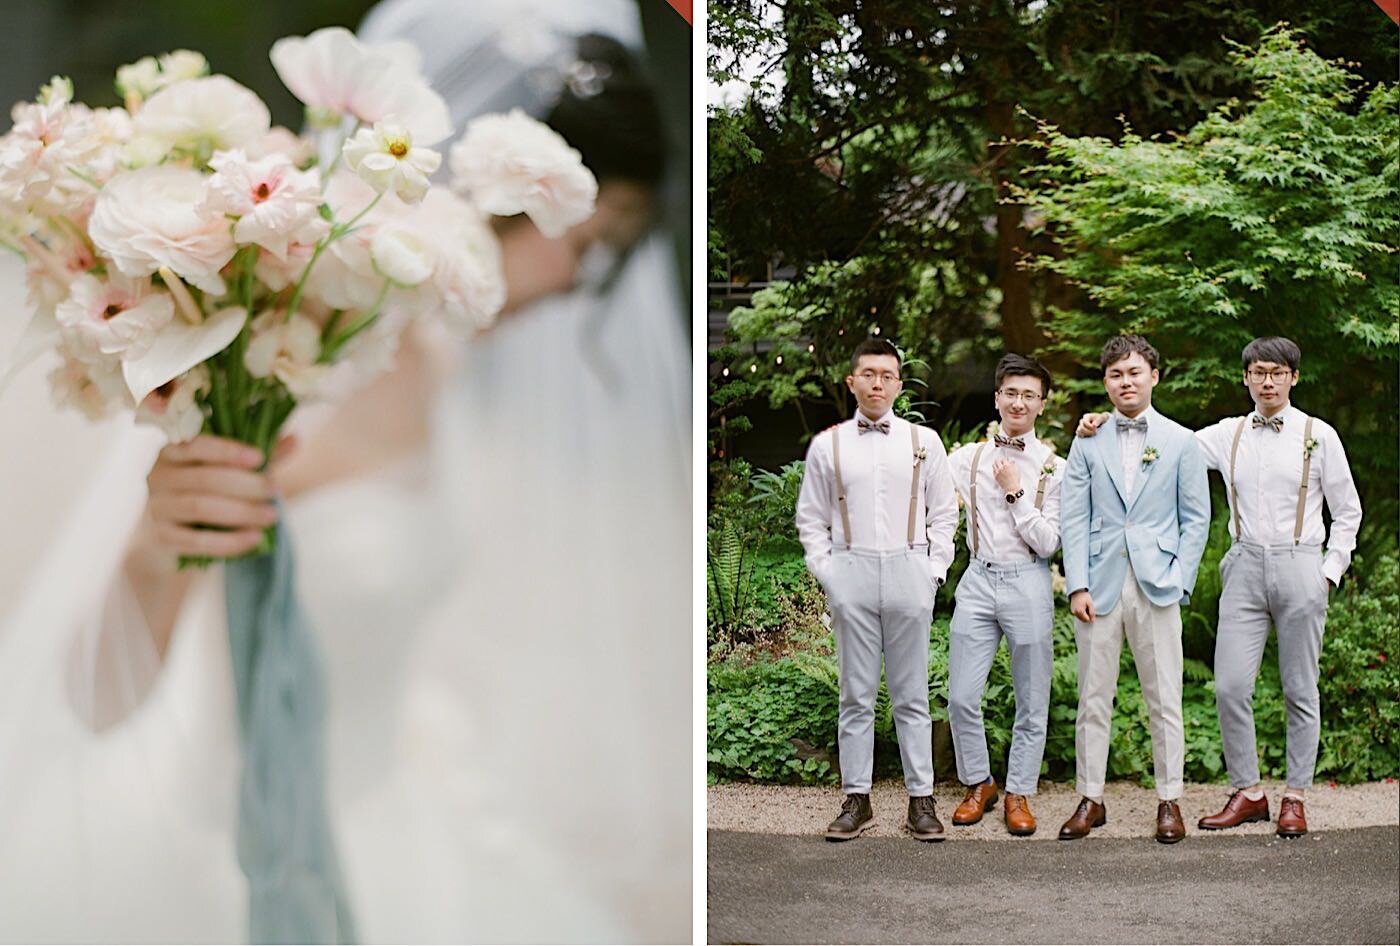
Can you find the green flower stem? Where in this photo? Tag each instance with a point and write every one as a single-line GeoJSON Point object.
{"type": "Point", "coordinates": [337, 231]}
{"type": "Point", "coordinates": [332, 348]}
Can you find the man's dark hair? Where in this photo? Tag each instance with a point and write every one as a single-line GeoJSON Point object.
{"type": "Point", "coordinates": [874, 345]}
{"type": "Point", "coordinates": [1014, 364]}
{"type": "Point", "coordinates": [1122, 346]}
{"type": "Point", "coordinates": [1272, 348]}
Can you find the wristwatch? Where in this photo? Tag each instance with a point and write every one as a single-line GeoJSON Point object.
{"type": "Point", "coordinates": [1012, 497]}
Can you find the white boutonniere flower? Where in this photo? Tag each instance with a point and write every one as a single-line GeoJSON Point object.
{"type": "Point", "coordinates": [1048, 469]}
{"type": "Point", "coordinates": [920, 455]}
{"type": "Point", "coordinates": [993, 429]}
{"type": "Point", "coordinates": [1309, 446]}
{"type": "Point", "coordinates": [1149, 456]}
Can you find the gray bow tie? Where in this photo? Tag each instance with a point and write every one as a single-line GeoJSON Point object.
{"type": "Point", "coordinates": [1136, 423]}
{"type": "Point", "coordinates": [866, 426]}
{"type": "Point", "coordinates": [1274, 423]}
{"type": "Point", "coordinates": [1015, 443]}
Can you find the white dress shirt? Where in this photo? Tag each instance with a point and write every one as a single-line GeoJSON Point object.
{"type": "Point", "coordinates": [1008, 533]}
{"type": "Point", "coordinates": [877, 470]}
{"type": "Point", "coordinates": [1131, 444]}
{"type": "Point", "coordinates": [1268, 471]}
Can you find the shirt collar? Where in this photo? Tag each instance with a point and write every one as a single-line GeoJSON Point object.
{"type": "Point", "coordinates": [1289, 412]}
{"type": "Point", "coordinates": [1147, 415]}
{"type": "Point", "coordinates": [888, 415]}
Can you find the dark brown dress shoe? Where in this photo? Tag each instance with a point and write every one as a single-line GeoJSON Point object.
{"type": "Point", "coordinates": [855, 817]}
{"type": "Point", "coordinates": [1089, 814]}
{"type": "Point", "coordinates": [1237, 811]}
{"type": "Point", "coordinates": [1170, 828]}
{"type": "Point", "coordinates": [923, 821]}
{"type": "Point", "coordinates": [976, 803]}
{"type": "Point", "coordinates": [1017, 811]}
{"type": "Point", "coordinates": [1292, 823]}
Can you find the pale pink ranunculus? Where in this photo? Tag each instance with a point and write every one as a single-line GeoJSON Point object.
{"type": "Point", "coordinates": [57, 154]}
{"type": "Point", "coordinates": [117, 316]}
{"type": "Point", "coordinates": [52, 266]}
{"type": "Point", "coordinates": [286, 349]}
{"type": "Point", "coordinates": [334, 74]}
{"type": "Point", "coordinates": [467, 288]}
{"type": "Point", "coordinates": [174, 408]}
{"type": "Point", "coordinates": [274, 202]}
{"type": "Point", "coordinates": [402, 255]}
{"type": "Point", "coordinates": [95, 388]}
{"type": "Point", "coordinates": [213, 112]}
{"type": "Point", "coordinates": [510, 164]}
{"type": "Point", "coordinates": [154, 217]}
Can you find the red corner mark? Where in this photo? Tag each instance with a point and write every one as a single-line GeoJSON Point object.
{"type": "Point", "coordinates": [686, 7]}
{"type": "Point", "coordinates": [1391, 8]}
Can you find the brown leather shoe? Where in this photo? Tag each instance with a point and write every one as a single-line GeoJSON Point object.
{"type": "Point", "coordinates": [1017, 812]}
{"type": "Point", "coordinates": [977, 802]}
{"type": "Point", "coordinates": [1237, 811]}
{"type": "Point", "coordinates": [1170, 828]}
{"type": "Point", "coordinates": [855, 817]}
{"type": "Point", "coordinates": [1089, 814]}
{"type": "Point", "coordinates": [923, 821]}
{"type": "Point", "coordinates": [1292, 823]}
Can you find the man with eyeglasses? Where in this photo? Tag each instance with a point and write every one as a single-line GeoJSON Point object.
{"type": "Point", "coordinates": [1010, 487]}
{"type": "Point", "coordinates": [1279, 466]}
{"type": "Point", "coordinates": [876, 516]}
{"type": "Point", "coordinates": [1134, 513]}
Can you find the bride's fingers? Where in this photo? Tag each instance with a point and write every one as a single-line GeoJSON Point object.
{"type": "Point", "coordinates": [228, 481]}
{"type": "Point", "coordinates": [182, 540]}
{"type": "Point", "coordinates": [208, 448]}
{"type": "Point", "coordinates": [180, 508]}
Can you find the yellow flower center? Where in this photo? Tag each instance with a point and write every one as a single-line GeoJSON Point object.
{"type": "Point", "coordinates": [398, 147]}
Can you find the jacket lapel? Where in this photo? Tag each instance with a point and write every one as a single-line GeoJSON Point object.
{"type": "Point", "coordinates": [1109, 454]}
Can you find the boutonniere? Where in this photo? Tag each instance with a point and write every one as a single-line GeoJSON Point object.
{"type": "Point", "coordinates": [993, 429]}
{"type": "Point", "coordinates": [1149, 456]}
{"type": "Point", "coordinates": [1309, 446]}
{"type": "Point", "coordinates": [920, 455]}
{"type": "Point", "coordinates": [1048, 469]}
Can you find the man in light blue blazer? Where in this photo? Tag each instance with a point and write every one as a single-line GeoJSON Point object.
{"type": "Point", "coordinates": [1134, 513]}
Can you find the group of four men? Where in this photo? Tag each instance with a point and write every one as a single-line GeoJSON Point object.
{"type": "Point", "coordinates": [1131, 507]}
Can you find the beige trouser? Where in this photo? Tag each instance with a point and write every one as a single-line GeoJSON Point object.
{"type": "Point", "coordinates": [1154, 635]}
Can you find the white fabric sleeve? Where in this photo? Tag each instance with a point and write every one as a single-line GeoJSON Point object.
{"type": "Point", "coordinates": [1339, 490]}
{"type": "Point", "coordinates": [814, 504]}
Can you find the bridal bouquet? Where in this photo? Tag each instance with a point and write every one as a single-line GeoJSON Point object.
{"type": "Point", "coordinates": [197, 266]}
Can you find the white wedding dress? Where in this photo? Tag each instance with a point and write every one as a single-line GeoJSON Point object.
{"type": "Point", "coordinates": [504, 623]}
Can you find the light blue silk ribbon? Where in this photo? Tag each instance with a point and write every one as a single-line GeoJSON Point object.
{"type": "Point", "coordinates": [284, 838]}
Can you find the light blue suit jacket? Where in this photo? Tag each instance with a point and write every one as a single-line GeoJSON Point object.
{"type": "Point", "coordinates": [1161, 529]}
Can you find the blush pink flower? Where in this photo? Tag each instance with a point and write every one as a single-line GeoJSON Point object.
{"type": "Point", "coordinates": [286, 349]}
{"type": "Point", "coordinates": [335, 75]}
{"type": "Point", "coordinates": [212, 112]}
{"type": "Point", "coordinates": [154, 217]}
{"type": "Point", "coordinates": [118, 316]}
{"type": "Point", "coordinates": [274, 202]}
{"type": "Point", "coordinates": [95, 388]}
{"type": "Point", "coordinates": [174, 406]}
{"type": "Point", "coordinates": [510, 164]}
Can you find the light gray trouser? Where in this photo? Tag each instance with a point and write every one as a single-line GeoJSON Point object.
{"type": "Point", "coordinates": [882, 603]}
{"type": "Point", "coordinates": [1283, 585]}
{"type": "Point", "coordinates": [993, 601]}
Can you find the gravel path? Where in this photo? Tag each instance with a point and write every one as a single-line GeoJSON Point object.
{"type": "Point", "coordinates": [1132, 810]}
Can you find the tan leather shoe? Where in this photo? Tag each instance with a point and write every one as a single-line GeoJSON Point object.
{"type": "Point", "coordinates": [1017, 812]}
{"type": "Point", "coordinates": [1089, 814]}
{"type": "Point", "coordinates": [1292, 823]}
{"type": "Point", "coordinates": [1237, 811]}
{"type": "Point", "coordinates": [1170, 828]}
{"type": "Point", "coordinates": [977, 802]}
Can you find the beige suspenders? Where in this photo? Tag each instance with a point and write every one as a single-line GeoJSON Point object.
{"type": "Point", "coordinates": [1040, 489]}
{"type": "Point", "coordinates": [1302, 487]}
{"type": "Point", "coordinates": [972, 497]}
{"type": "Point", "coordinates": [914, 483]}
{"type": "Point", "coordinates": [841, 486]}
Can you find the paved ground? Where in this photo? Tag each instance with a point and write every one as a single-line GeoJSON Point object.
{"type": "Point", "coordinates": [1333, 886]}
{"type": "Point", "coordinates": [1132, 809]}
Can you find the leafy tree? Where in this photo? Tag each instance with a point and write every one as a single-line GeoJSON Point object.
{"type": "Point", "coordinates": [1279, 215]}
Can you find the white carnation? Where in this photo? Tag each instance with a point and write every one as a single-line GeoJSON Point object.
{"type": "Point", "coordinates": [510, 164]}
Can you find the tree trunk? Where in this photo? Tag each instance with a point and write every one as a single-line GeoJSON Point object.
{"type": "Point", "coordinates": [1019, 330]}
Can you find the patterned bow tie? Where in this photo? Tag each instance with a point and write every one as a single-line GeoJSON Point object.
{"type": "Point", "coordinates": [1136, 423]}
{"type": "Point", "coordinates": [866, 426]}
{"type": "Point", "coordinates": [1015, 443]}
{"type": "Point", "coordinates": [1274, 423]}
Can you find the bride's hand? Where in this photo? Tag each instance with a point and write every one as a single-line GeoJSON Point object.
{"type": "Point", "coordinates": [208, 481]}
